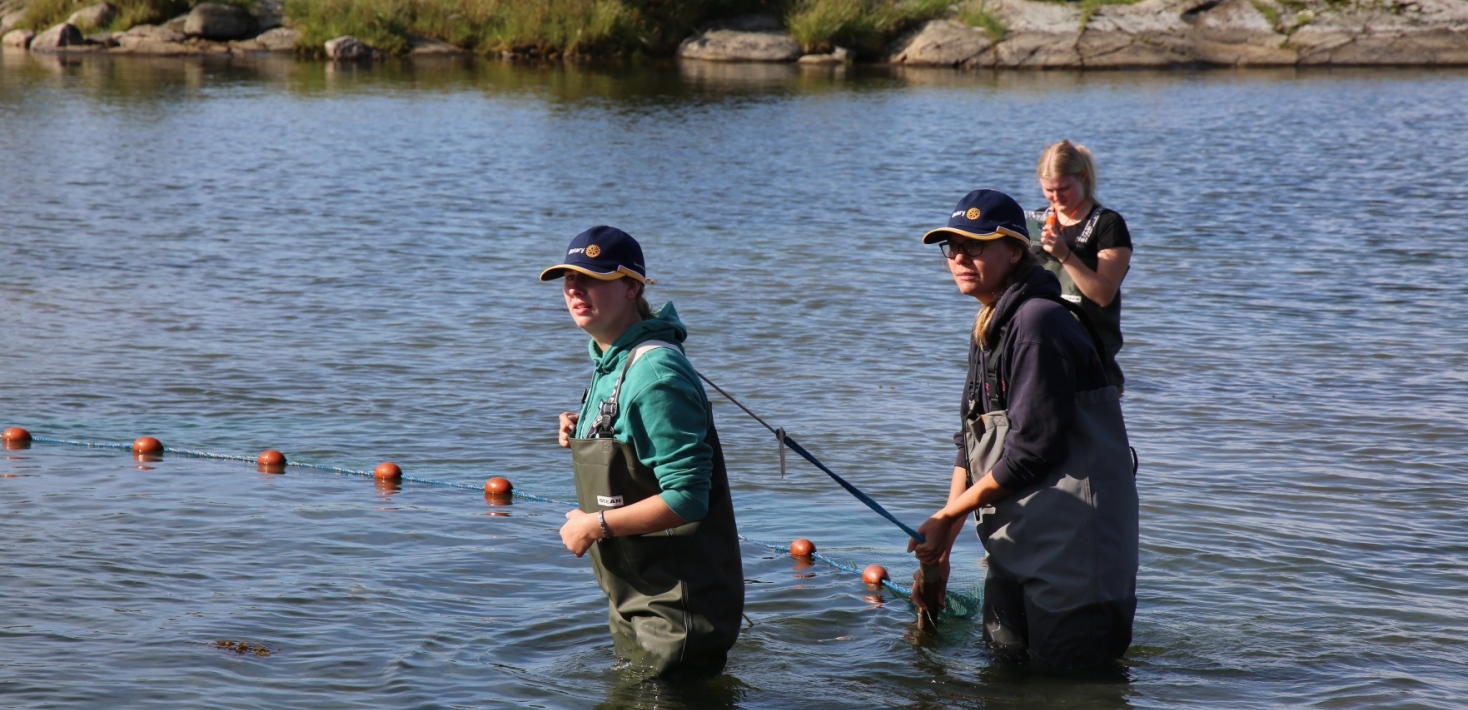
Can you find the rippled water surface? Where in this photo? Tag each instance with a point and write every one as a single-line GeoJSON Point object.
{"type": "Point", "coordinates": [341, 264]}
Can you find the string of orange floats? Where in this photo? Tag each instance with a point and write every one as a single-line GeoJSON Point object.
{"type": "Point", "coordinates": [497, 490]}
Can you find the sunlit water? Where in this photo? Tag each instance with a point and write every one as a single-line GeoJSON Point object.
{"type": "Point", "coordinates": [342, 265]}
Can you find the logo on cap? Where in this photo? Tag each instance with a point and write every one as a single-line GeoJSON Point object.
{"type": "Point", "coordinates": [972, 214]}
{"type": "Point", "coordinates": [593, 251]}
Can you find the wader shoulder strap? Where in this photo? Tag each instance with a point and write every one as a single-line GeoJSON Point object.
{"type": "Point", "coordinates": [994, 388]}
{"type": "Point", "coordinates": [601, 427]}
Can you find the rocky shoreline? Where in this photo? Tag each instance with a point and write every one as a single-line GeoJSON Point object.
{"type": "Point", "coordinates": [1015, 34]}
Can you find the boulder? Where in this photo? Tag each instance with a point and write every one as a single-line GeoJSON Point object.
{"type": "Point", "coordinates": [9, 19]}
{"type": "Point", "coordinates": [944, 43]}
{"type": "Point", "coordinates": [214, 21]}
{"type": "Point", "coordinates": [58, 37]}
{"type": "Point", "coordinates": [753, 38]}
{"type": "Point", "coordinates": [280, 39]}
{"type": "Point", "coordinates": [424, 46]}
{"type": "Point", "coordinates": [176, 24]}
{"type": "Point", "coordinates": [160, 33]}
{"type": "Point", "coordinates": [158, 40]}
{"type": "Point", "coordinates": [103, 39]}
{"type": "Point", "coordinates": [17, 38]}
{"type": "Point", "coordinates": [94, 17]}
{"type": "Point", "coordinates": [838, 55]}
{"type": "Point", "coordinates": [349, 48]}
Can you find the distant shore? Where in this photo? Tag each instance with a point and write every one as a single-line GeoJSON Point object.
{"type": "Point", "coordinates": [979, 34]}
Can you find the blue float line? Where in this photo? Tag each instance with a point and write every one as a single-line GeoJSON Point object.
{"type": "Point", "coordinates": [887, 583]}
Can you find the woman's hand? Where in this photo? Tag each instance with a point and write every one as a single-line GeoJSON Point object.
{"type": "Point", "coordinates": [568, 430]}
{"type": "Point", "coordinates": [937, 532]}
{"type": "Point", "coordinates": [581, 529]}
{"type": "Point", "coordinates": [1051, 242]}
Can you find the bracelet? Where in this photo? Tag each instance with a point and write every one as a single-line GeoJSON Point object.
{"type": "Point", "coordinates": [601, 519]}
{"type": "Point", "coordinates": [1062, 261]}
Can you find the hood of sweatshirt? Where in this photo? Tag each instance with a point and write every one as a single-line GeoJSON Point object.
{"type": "Point", "coordinates": [1034, 282]}
{"type": "Point", "coordinates": [664, 326]}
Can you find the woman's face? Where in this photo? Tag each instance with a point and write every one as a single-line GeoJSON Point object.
{"type": "Point", "coordinates": [1065, 193]}
{"type": "Point", "coordinates": [596, 304]}
{"type": "Point", "coordinates": [980, 267]}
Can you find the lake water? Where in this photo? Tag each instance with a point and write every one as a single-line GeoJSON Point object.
{"type": "Point", "coordinates": [341, 264]}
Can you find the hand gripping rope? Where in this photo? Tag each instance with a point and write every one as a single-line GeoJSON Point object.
{"type": "Point", "coordinates": [797, 448]}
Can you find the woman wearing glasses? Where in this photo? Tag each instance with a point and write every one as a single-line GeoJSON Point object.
{"type": "Point", "coordinates": [1043, 459]}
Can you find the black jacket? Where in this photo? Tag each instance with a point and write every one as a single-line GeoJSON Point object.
{"type": "Point", "coordinates": [1046, 358]}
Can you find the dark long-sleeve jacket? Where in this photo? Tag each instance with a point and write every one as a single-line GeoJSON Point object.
{"type": "Point", "coordinates": [1047, 358]}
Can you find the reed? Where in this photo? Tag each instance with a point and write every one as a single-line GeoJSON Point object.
{"type": "Point", "coordinates": [866, 26]}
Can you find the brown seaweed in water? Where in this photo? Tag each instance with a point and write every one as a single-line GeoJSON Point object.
{"type": "Point", "coordinates": [242, 648]}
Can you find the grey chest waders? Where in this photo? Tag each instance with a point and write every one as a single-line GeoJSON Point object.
{"type": "Point", "coordinates": [675, 597]}
{"type": "Point", "coordinates": [1061, 580]}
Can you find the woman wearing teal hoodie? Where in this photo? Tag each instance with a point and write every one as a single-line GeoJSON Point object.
{"type": "Point", "coordinates": [652, 493]}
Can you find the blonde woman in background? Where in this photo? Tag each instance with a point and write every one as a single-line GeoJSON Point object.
{"type": "Point", "coordinates": [1083, 243]}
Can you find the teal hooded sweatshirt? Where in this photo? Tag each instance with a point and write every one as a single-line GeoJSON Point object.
{"type": "Point", "coordinates": [663, 410]}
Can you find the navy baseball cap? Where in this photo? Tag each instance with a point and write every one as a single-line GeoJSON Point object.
{"type": "Point", "coordinates": [604, 253]}
{"type": "Point", "coordinates": [984, 215]}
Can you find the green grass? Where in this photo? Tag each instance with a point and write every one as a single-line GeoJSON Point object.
{"type": "Point", "coordinates": [866, 26]}
{"type": "Point", "coordinates": [977, 15]}
{"type": "Point", "coordinates": [550, 28]}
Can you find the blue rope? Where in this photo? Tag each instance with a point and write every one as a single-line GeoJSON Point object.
{"type": "Point", "coordinates": [842, 566]}
{"type": "Point", "coordinates": [874, 505]}
{"type": "Point", "coordinates": [797, 448]}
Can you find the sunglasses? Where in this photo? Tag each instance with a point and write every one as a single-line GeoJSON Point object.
{"type": "Point", "coordinates": [971, 248]}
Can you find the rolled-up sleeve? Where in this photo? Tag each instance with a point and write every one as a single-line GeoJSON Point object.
{"type": "Point", "coordinates": [669, 421]}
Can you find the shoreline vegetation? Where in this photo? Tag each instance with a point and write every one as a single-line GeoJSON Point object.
{"type": "Point", "coordinates": [1044, 34]}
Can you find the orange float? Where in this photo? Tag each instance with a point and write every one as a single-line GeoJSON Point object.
{"type": "Point", "coordinates": [802, 548]}
{"type": "Point", "coordinates": [16, 438]}
{"type": "Point", "coordinates": [271, 461]}
{"type": "Point", "coordinates": [387, 470]}
{"type": "Point", "coordinates": [874, 575]}
{"type": "Point", "coordinates": [498, 487]}
{"type": "Point", "coordinates": [146, 448]}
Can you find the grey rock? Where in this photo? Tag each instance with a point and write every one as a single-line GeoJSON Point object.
{"type": "Point", "coordinates": [160, 33]}
{"type": "Point", "coordinates": [176, 24]}
{"type": "Point", "coordinates": [9, 19]}
{"type": "Point", "coordinates": [424, 46]}
{"type": "Point", "coordinates": [59, 37]}
{"type": "Point", "coordinates": [1155, 33]}
{"type": "Point", "coordinates": [731, 41]}
{"type": "Point", "coordinates": [17, 38]}
{"type": "Point", "coordinates": [94, 17]}
{"type": "Point", "coordinates": [137, 44]}
{"type": "Point", "coordinates": [280, 39]}
{"type": "Point", "coordinates": [838, 55]}
{"type": "Point", "coordinates": [214, 21]}
{"type": "Point", "coordinates": [349, 48]}
{"type": "Point", "coordinates": [104, 39]}
{"type": "Point", "coordinates": [944, 43]}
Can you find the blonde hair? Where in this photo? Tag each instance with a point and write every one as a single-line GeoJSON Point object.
{"type": "Point", "coordinates": [1066, 159]}
{"type": "Point", "coordinates": [1026, 261]}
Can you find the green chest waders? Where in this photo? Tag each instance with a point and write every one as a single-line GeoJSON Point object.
{"type": "Point", "coordinates": [1061, 580]}
{"type": "Point", "coordinates": [675, 597]}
